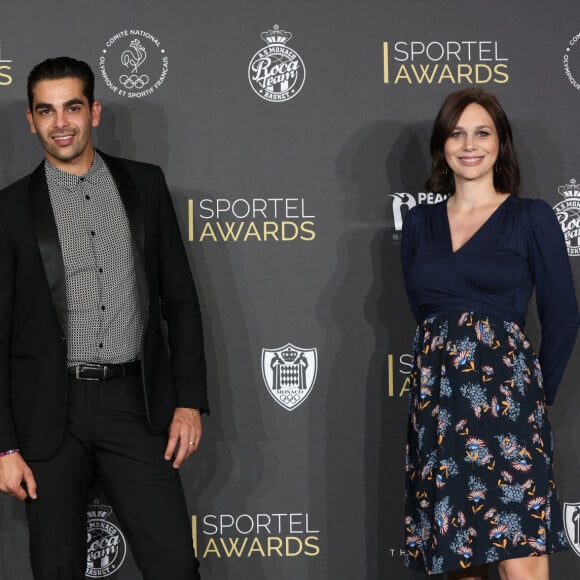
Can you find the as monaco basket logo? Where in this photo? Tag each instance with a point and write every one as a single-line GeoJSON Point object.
{"type": "Point", "coordinates": [572, 525]}
{"type": "Point", "coordinates": [106, 546]}
{"type": "Point", "coordinates": [568, 214]}
{"type": "Point", "coordinates": [289, 373]}
{"type": "Point", "coordinates": [276, 73]}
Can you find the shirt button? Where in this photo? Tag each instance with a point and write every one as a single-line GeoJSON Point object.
{"type": "Point", "coordinates": [82, 178]}
{"type": "Point", "coordinates": [93, 234]}
{"type": "Point", "coordinates": [100, 270]}
{"type": "Point", "coordinates": [102, 307]}
{"type": "Point", "coordinates": [100, 345]}
{"type": "Point", "coordinates": [87, 197]}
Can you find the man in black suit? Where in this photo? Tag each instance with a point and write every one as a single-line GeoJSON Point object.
{"type": "Point", "coordinates": [102, 370]}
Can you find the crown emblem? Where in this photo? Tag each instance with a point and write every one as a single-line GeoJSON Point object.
{"type": "Point", "coordinates": [98, 510]}
{"type": "Point", "coordinates": [571, 189]}
{"type": "Point", "coordinates": [289, 355]}
{"type": "Point", "coordinates": [276, 36]}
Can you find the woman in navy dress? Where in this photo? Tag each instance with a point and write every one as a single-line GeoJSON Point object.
{"type": "Point", "coordinates": [480, 486]}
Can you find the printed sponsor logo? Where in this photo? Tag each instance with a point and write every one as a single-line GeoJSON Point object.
{"type": "Point", "coordinates": [106, 545]}
{"type": "Point", "coordinates": [133, 63]}
{"type": "Point", "coordinates": [5, 70]}
{"type": "Point", "coordinates": [572, 525]}
{"type": "Point", "coordinates": [289, 373]}
{"type": "Point", "coordinates": [568, 214]}
{"type": "Point", "coordinates": [260, 535]}
{"type": "Point", "coordinates": [471, 62]}
{"type": "Point", "coordinates": [247, 219]}
{"type": "Point", "coordinates": [276, 72]}
{"type": "Point", "coordinates": [570, 62]}
{"type": "Point", "coordinates": [402, 202]}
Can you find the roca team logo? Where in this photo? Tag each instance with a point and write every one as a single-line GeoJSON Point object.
{"type": "Point", "coordinates": [133, 63]}
{"type": "Point", "coordinates": [289, 373]}
{"type": "Point", "coordinates": [572, 525]}
{"type": "Point", "coordinates": [570, 62]}
{"type": "Point", "coordinates": [276, 72]}
{"type": "Point", "coordinates": [568, 214]}
{"type": "Point", "coordinates": [106, 545]}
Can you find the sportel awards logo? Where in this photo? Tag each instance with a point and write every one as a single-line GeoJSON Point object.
{"type": "Point", "coordinates": [572, 525]}
{"type": "Point", "coordinates": [398, 375]}
{"type": "Point", "coordinates": [568, 214]}
{"type": "Point", "coordinates": [258, 219]}
{"type": "Point", "coordinates": [473, 62]}
{"type": "Point", "coordinates": [567, 61]}
{"type": "Point", "coordinates": [133, 64]}
{"type": "Point", "coordinates": [5, 71]}
{"type": "Point", "coordinates": [289, 373]}
{"type": "Point", "coordinates": [276, 73]}
{"type": "Point", "coordinates": [402, 202]}
{"type": "Point", "coordinates": [261, 535]}
{"type": "Point", "coordinates": [106, 545]}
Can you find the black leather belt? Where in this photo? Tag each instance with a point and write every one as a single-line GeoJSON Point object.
{"type": "Point", "coordinates": [97, 372]}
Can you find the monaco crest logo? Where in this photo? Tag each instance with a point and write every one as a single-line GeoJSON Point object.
{"type": "Point", "coordinates": [568, 214]}
{"type": "Point", "coordinates": [106, 545]}
{"type": "Point", "coordinates": [276, 72]}
{"type": "Point", "coordinates": [289, 373]}
{"type": "Point", "coordinates": [572, 525]}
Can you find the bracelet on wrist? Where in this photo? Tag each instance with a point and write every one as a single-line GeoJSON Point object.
{"type": "Point", "coordinates": [8, 452]}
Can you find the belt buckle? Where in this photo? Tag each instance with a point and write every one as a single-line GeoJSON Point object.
{"type": "Point", "coordinates": [79, 368]}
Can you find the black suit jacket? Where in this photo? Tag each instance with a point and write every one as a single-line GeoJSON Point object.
{"type": "Point", "coordinates": [33, 310]}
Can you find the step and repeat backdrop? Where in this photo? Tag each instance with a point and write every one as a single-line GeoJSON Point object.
{"type": "Point", "coordinates": [294, 137]}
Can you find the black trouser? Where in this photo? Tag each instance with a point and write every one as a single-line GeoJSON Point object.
{"type": "Point", "coordinates": [107, 441]}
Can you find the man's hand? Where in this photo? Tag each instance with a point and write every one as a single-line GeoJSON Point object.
{"type": "Point", "coordinates": [13, 471]}
{"type": "Point", "coordinates": [184, 435]}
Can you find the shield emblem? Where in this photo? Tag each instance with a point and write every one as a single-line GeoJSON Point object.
{"type": "Point", "coordinates": [289, 373]}
{"type": "Point", "coordinates": [572, 525]}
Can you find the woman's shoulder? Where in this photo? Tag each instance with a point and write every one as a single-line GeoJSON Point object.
{"type": "Point", "coordinates": [538, 218]}
{"type": "Point", "coordinates": [534, 208]}
{"type": "Point", "coordinates": [424, 211]}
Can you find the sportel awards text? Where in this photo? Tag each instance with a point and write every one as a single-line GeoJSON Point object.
{"type": "Point", "coordinates": [473, 62]}
{"type": "Point", "coordinates": [283, 535]}
{"type": "Point", "coordinates": [257, 219]}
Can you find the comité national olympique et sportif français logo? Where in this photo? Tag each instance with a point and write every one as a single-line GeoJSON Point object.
{"type": "Point", "coordinates": [571, 61]}
{"type": "Point", "coordinates": [276, 72]}
{"type": "Point", "coordinates": [133, 64]}
{"type": "Point", "coordinates": [106, 545]}
{"type": "Point", "coordinates": [289, 373]}
{"type": "Point", "coordinates": [568, 214]}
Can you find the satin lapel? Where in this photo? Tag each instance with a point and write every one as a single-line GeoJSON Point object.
{"type": "Point", "coordinates": [130, 198]}
{"type": "Point", "coordinates": [48, 242]}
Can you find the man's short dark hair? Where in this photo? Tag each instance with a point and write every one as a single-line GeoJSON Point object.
{"type": "Point", "coordinates": [59, 68]}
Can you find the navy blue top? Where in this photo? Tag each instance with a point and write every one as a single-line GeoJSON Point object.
{"type": "Point", "coordinates": [519, 246]}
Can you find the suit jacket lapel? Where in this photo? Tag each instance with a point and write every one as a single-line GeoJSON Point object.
{"type": "Point", "coordinates": [48, 242]}
{"type": "Point", "coordinates": [130, 198]}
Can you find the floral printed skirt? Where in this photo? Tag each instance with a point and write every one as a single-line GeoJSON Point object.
{"type": "Point", "coordinates": [479, 482]}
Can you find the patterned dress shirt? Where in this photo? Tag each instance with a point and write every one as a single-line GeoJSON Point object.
{"type": "Point", "coordinates": [105, 324]}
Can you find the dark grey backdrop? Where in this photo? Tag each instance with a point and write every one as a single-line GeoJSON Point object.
{"type": "Point", "coordinates": [344, 145]}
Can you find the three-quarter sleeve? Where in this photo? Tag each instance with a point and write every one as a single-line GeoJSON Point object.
{"type": "Point", "coordinates": [555, 295]}
{"type": "Point", "coordinates": [408, 244]}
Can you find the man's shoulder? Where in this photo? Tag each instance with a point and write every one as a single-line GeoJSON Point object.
{"type": "Point", "coordinates": [135, 168]}
{"type": "Point", "coordinates": [16, 188]}
{"type": "Point", "coordinates": [17, 185]}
